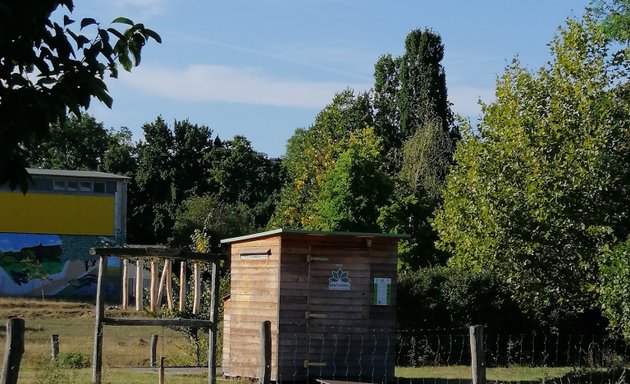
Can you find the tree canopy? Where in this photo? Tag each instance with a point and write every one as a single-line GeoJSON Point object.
{"type": "Point", "coordinates": [333, 169]}
{"type": "Point", "coordinates": [543, 185]}
{"type": "Point", "coordinates": [48, 68]}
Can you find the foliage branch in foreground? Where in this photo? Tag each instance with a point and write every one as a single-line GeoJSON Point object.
{"type": "Point", "coordinates": [48, 67]}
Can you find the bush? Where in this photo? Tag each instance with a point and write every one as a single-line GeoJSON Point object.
{"type": "Point", "coordinates": [447, 297]}
{"type": "Point", "coordinates": [443, 297]}
{"type": "Point", "coordinates": [73, 360]}
{"type": "Point", "coordinates": [52, 373]}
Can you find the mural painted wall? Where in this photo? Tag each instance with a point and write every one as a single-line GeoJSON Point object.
{"type": "Point", "coordinates": [60, 265]}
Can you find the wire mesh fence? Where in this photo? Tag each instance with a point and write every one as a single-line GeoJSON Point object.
{"type": "Point", "coordinates": [440, 347]}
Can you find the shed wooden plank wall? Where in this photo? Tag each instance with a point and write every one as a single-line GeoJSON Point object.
{"type": "Point", "coordinates": [351, 337]}
{"type": "Point", "coordinates": [254, 298]}
{"type": "Point", "coordinates": [225, 362]}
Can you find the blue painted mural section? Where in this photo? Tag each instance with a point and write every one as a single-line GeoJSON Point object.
{"type": "Point", "coordinates": [53, 265]}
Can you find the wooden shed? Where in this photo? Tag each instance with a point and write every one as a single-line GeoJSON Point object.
{"type": "Point", "coordinates": [330, 297]}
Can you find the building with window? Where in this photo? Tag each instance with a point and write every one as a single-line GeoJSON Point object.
{"type": "Point", "coordinates": [46, 233]}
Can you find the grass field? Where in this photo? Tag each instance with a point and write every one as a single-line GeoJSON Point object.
{"type": "Point", "coordinates": [532, 374]}
{"type": "Point", "coordinates": [129, 347]}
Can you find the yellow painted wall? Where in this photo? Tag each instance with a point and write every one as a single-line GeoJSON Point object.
{"type": "Point", "coordinates": [56, 214]}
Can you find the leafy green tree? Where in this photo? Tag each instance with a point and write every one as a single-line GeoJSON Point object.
{"type": "Point", "coordinates": [387, 110]}
{"type": "Point", "coordinates": [426, 159]}
{"type": "Point", "coordinates": [422, 92]}
{"type": "Point", "coordinates": [544, 183]}
{"type": "Point", "coordinates": [330, 164]}
{"type": "Point", "coordinates": [47, 68]}
{"type": "Point", "coordinates": [218, 219]}
{"type": "Point", "coordinates": [353, 189]}
{"type": "Point", "coordinates": [615, 21]}
{"type": "Point", "coordinates": [75, 142]}
{"type": "Point", "coordinates": [239, 174]}
{"type": "Point", "coordinates": [120, 157]}
{"type": "Point", "coordinates": [413, 116]}
{"type": "Point", "coordinates": [614, 289]}
{"type": "Point", "coordinates": [171, 167]}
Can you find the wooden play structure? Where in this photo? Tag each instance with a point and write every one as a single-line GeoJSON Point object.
{"type": "Point", "coordinates": [330, 298]}
{"type": "Point", "coordinates": [158, 287]}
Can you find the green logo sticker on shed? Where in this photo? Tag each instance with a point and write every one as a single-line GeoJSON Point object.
{"type": "Point", "coordinates": [339, 281]}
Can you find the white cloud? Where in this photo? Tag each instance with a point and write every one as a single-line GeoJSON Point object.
{"type": "Point", "coordinates": [216, 83]}
{"type": "Point", "coordinates": [465, 99]}
{"type": "Point", "coordinates": [144, 8]}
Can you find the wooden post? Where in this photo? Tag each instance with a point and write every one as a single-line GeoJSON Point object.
{"type": "Point", "coordinates": [182, 286]}
{"type": "Point", "coordinates": [477, 354]}
{"type": "Point", "coordinates": [54, 347]}
{"type": "Point", "coordinates": [264, 376]}
{"type": "Point", "coordinates": [154, 287]}
{"type": "Point", "coordinates": [153, 351]}
{"type": "Point", "coordinates": [162, 284]}
{"type": "Point", "coordinates": [13, 351]}
{"type": "Point", "coordinates": [197, 289]}
{"type": "Point", "coordinates": [139, 285]}
{"type": "Point", "coordinates": [97, 358]}
{"type": "Point", "coordinates": [212, 333]}
{"type": "Point", "coordinates": [125, 284]}
{"type": "Point", "coordinates": [169, 283]}
{"type": "Point", "coordinates": [161, 374]}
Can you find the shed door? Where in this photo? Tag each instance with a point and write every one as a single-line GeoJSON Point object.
{"type": "Point", "coordinates": [339, 294]}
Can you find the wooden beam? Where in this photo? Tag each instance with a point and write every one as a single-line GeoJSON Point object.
{"type": "Point", "coordinates": [212, 333]}
{"type": "Point", "coordinates": [153, 291]}
{"type": "Point", "coordinates": [197, 289]}
{"type": "Point", "coordinates": [176, 322]}
{"type": "Point", "coordinates": [97, 357]}
{"type": "Point", "coordinates": [169, 284]}
{"type": "Point", "coordinates": [164, 253]}
{"type": "Point", "coordinates": [182, 286]}
{"type": "Point", "coordinates": [125, 284]}
{"type": "Point", "coordinates": [477, 354]}
{"type": "Point", "coordinates": [162, 283]}
{"type": "Point", "coordinates": [139, 285]}
{"type": "Point", "coordinates": [264, 373]}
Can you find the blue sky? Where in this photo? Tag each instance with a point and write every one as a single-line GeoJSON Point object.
{"type": "Point", "coordinates": [262, 68]}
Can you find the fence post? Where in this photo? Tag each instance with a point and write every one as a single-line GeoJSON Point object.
{"type": "Point", "coordinates": [97, 356]}
{"type": "Point", "coordinates": [212, 333]}
{"type": "Point", "coordinates": [161, 373]}
{"type": "Point", "coordinates": [477, 355]}
{"type": "Point", "coordinates": [265, 353]}
{"type": "Point", "coordinates": [13, 351]}
{"type": "Point", "coordinates": [54, 347]}
{"type": "Point", "coordinates": [152, 355]}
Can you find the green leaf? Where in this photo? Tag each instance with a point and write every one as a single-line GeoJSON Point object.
{"type": "Point", "coordinates": [87, 21]}
{"type": "Point", "coordinates": [152, 34]}
{"type": "Point", "coordinates": [116, 33]}
{"type": "Point", "coordinates": [67, 20]}
{"type": "Point", "coordinates": [123, 20]}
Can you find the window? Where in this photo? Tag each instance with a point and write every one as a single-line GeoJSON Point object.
{"type": "Point", "coordinates": [59, 185]}
{"type": "Point", "coordinates": [99, 187]}
{"type": "Point", "coordinates": [85, 186]}
{"type": "Point", "coordinates": [72, 186]}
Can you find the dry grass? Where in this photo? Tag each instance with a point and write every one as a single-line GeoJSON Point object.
{"type": "Point", "coordinates": [74, 323]}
